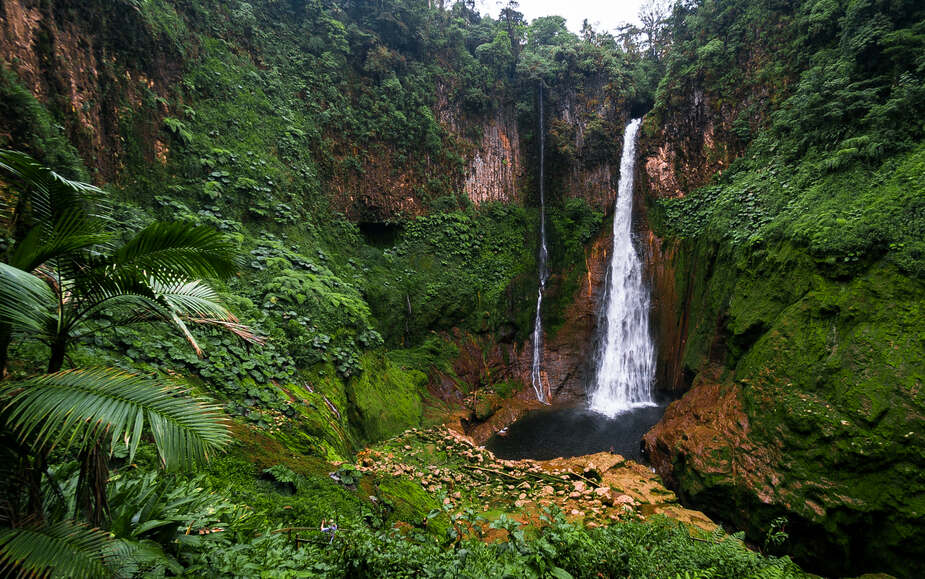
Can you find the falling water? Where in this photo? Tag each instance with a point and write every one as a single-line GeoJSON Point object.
{"type": "Point", "coordinates": [536, 374]}
{"type": "Point", "coordinates": [626, 359]}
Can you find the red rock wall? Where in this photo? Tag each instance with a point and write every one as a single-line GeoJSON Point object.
{"type": "Point", "coordinates": [495, 169]}
{"type": "Point", "coordinates": [568, 354]}
{"type": "Point", "coordinates": [93, 63]}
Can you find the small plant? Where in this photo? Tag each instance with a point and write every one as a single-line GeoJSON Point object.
{"type": "Point", "coordinates": [777, 534]}
{"type": "Point", "coordinates": [347, 475]}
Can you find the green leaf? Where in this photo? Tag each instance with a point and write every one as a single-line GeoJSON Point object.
{"type": "Point", "coordinates": [79, 407]}
{"type": "Point", "coordinates": [168, 250]}
{"type": "Point", "coordinates": [64, 548]}
{"type": "Point", "coordinates": [27, 303]}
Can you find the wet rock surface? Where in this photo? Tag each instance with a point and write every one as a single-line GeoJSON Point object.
{"type": "Point", "coordinates": [596, 489]}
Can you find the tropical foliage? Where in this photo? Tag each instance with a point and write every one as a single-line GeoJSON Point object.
{"type": "Point", "coordinates": [74, 284]}
{"type": "Point", "coordinates": [303, 164]}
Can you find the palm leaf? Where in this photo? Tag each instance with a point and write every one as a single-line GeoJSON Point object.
{"type": "Point", "coordinates": [128, 298]}
{"type": "Point", "coordinates": [64, 548]}
{"type": "Point", "coordinates": [198, 303]}
{"type": "Point", "coordinates": [191, 299]}
{"type": "Point", "coordinates": [27, 303]}
{"type": "Point", "coordinates": [78, 407]}
{"type": "Point", "coordinates": [49, 194]}
{"type": "Point", "coordinates": [166, 250]}
{"type": "Point", "coordinates": [71, 233]}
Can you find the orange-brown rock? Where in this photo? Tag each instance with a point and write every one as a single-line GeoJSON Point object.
{"type": "Point", "coordinates": [708, 431]}
{"type": "Point", "coordinates": [568, 353]}
{"type": "Point", "coordinates": [97, 65]}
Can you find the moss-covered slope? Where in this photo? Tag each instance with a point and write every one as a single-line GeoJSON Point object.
{"type": "Point", "coordinates": [788, 274]}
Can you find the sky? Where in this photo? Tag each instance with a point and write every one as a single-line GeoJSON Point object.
{"type": "Point", "coordinates": [604, 15]}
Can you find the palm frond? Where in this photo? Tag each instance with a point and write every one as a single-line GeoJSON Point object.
{"type": "Point", "coordinates": [123, 295]}
{"type": "Point", "coordinates": [64, 549]}
{"type": "Point", "coordinates": [78, 407]}
{"type": "Point", "coordinates": [27, 303]}
{"type": "Point", "coordinates": [169, 249]}
{"type": "Point", "coordinates": [49, 194]}
{"type": "Point", "coordinates": [198, 303]}
{"type": "Point", "coordinates": [238, 329]}
{"type": "Point", "coordinates": [71, 233]}
{"type": "Point", "coordinates": [191, 299]}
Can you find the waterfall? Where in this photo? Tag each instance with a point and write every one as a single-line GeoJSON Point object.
{"type": "Point", "coordinates": [626, 359]}
{"type": "Point", "coordinates": [536, 374]}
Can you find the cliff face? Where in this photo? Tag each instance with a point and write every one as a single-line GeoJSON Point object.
{"type": "Point", "coordinates": [803, 386]}
{"type": "Point", "coordinates": [568, 360]}
{"type": "Point", "coordinates": [94, 66]}
{"type": "Point", "coordinates": [194, 104]}
{"type": "Point", "coordinates": [585, 143]}
{"type": "Point", "coordinates": [495, 168]}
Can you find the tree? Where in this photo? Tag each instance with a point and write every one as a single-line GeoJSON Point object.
{"type": "Point", "coordinates": [514, 24]}
{"type": "Point", "coordinates": [654, 18]}
{"type": "Point", "coordinates": [62, 244]}
{"type": "Point", "coordinates": [77, 409]}
{"type": "Point", "coordinates": [497, 54]}
{"type": "Point", "coordinates": [68, 279]}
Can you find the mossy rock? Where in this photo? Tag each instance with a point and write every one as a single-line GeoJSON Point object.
{"type": "Point", "coordinates": [486, 404]}
{"type": "Point", "coordinates": [831, 372]}
{"type": "Point", "coordinates": [411, 504]}
{"type": "Point", "coordinates": [385, 399]}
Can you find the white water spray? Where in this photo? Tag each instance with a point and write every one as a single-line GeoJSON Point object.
{"type": "Point", "coordinates": [626, 359]}
{"type": "Point", "coordinates": [536, 371]}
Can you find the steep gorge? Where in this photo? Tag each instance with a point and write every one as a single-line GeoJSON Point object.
{"type": "Point", "coordinates": [804, 375]}
{"type": "Point", "coordinates": [386, 206]}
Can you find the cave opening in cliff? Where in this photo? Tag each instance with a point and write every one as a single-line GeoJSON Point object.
{"type": "Point", "coordinates": [380, 234]}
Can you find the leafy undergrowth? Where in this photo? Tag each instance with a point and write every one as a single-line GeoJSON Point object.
{"type": "Point", "coordinates": [846, 219]}
{"type": "Point", "coordinates": [415, 507]}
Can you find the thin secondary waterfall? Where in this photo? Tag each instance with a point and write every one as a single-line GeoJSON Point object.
{"type": "Point", "coordinates": [626, 359]}
{"type": "Point", "coordinates": [536, 372]}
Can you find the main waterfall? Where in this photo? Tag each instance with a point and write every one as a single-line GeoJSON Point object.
{"type": "Point", "coordinates": [536, 371]}
{"type": "Point", "coordinates": [626, 359]}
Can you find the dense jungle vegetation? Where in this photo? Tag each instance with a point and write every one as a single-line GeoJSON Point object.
{"type": "Point", "coordinates": [196, 345]}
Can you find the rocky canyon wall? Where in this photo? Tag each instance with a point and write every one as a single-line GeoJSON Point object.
{"type": "Point", "coordinates": [802, 394]}
{"type": "Point", "coordinates": [93, 65]}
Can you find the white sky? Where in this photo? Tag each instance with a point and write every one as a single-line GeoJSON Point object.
{"type": "Point", "coordinates": [604, 15]}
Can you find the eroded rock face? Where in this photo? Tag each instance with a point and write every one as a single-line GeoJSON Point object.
{"type": "Point", "coordinates": [95, 64]}
{"type": "Point", "coordinates": [568, 353]}
{"type": "Point", "coordinates": [709, 433]}
{"type": "Point", "coordinates": [495, 169]}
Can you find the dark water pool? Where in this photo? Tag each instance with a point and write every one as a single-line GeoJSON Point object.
{"type": "Point", "coordinates": [574, 431]}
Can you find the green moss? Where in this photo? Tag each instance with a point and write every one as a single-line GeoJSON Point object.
{"type": "Point", "coordinates": [410, 503]}
{"type": "Point", "coordinates": [831, 373]}
{"type": "Point", "coordinates": [572, 227]}
{"type": "Point", "coordinates": [26, 125]}
{"type": "Point", "coordinates": [385, 399]}
{"type": "Point", "coordinates": [317, 496]}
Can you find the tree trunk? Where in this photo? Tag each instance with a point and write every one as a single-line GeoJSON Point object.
{"type": "Point", "coordinates": [92, 501]}
{"type": "Point", "coordinates": [58, 349]}
{"type": "Point", "coordinates": [5, 339]}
